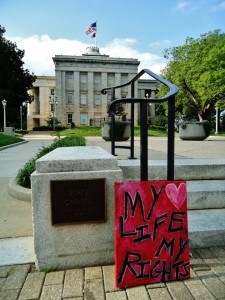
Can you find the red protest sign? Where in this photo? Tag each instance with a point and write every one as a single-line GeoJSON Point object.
{"type": "Point", "coordinates": [151, 232]}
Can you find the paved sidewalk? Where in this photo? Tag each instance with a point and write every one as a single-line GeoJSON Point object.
{"type": "Point", "coordinates": [213, 147]}
{"type": "Point", "coordinates": [23, 282]}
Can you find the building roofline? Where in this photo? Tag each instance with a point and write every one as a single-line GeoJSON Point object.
{"type": "Point", "coordinates": [95, 59]}
{"type": "Point", "coordinates": [45, 77]}
{"type": "Point", "coordinates": [146, 80]}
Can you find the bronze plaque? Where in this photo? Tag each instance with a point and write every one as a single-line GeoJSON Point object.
{"type": "Point", "coordinates": [78, 201]}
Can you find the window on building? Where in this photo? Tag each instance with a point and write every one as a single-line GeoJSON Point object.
{"type": "Point", "coordinates": [97, 78]}
{"type": "Point", "coordinates": [69, 77]}
{"type": "Point", "coordinates": [83, 77]}
{"type": "Point", "coordinates": [97, 100]}
{"type": "Point", "coordinates": [124, 78]}
{"type": "Point", "coordinates": [83, 119]}
{"type": "Point", "coordinates": [69, 118]}
{"type": "Point", "coordinates": [83, 99]}
{"type": "Point", "coordinates": [69, 98]}
{"type": "Point", "coordinates": [111, 78]}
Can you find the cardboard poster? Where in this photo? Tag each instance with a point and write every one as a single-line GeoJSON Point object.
{"type": "Point", "coordinates": [151, 232]}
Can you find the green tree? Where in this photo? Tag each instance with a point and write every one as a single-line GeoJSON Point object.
{"type": "Point", "coordinates": [15, 81]}
{"type": "Point", "coordinates": [198, 69]}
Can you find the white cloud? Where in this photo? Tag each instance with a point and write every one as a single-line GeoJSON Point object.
{"type": "Point", "coordinates": [219, 6]}
{"type": "Point", "coordinates": [122, 48]}
{"type": "Point", "coordinates": [200, 5]}
{"type": "Point", "coordinates": [39, 51]}
{"type": "Point", "coordinates": [181, 5]}
{"type": "Point", "coordinates": [160, 44]}
{"type": "Point", "coordinates": [222, 5]}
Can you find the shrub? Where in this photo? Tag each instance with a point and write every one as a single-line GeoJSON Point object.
{"type": "Point", "coordinates": [21, 131]}
{"type": "Point", "coordinates": [48, 128]}
{"type": "Point", "coordinates": [161, 121]}
{"type": "Point", "coordinates": [42, 128]}
{"type": "Point", "coordinates": [24, 174]}
{"type": "Point", "coordinates": [207, 127]}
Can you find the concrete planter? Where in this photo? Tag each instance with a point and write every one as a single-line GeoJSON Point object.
{"type": "Point", "coordinates": [18, 192]}
{"type": "Point", "coordinates": [198, 131]}
{"type": "Point", "coordinates": [123, 131]}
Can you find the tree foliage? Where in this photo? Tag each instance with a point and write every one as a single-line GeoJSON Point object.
{"type": "Point", "coordinates": [198, 69]}
{"type": "Point", "coordinates": [15, 81]}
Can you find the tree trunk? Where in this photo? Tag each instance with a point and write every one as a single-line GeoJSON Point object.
{"type": "Point", "coordinates": [200, 117]}
{"type": "Point", "coordinates": [194, 100]}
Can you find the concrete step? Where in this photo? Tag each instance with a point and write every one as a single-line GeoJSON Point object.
{"type": "Point", "coordinates": [206, 227]}
{"type": "Point", "coordinates": [185, 169]}
{"type": "Point", "coordinates": [205, 194]}
{"type": "Point", "coordinates": [18, 250]}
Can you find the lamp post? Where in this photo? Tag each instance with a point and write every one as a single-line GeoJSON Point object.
{"type": "Point", "coordinates": [24, 104]}
{"type": "Point", "coordinates": [21, 117]}
{"type": "Point", "coordinates": [4, 109]}
{"type": "Point", "coordinates": [217, 120]}
{"type": "Point", "coordinates": [148, 96]}
{"type": "Point", "coordinates": [53, 102]}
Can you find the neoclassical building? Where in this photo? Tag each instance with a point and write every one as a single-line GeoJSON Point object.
{"type": "Point", "coordinates": [74, 94]}
{"type": "Point", "coordinates": [39, 109]}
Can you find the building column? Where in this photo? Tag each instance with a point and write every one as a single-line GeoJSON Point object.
{"type": "Point", "coordinates": [44, 110]}
{"type": "Point", "coordinates": [118, 82]}
{"type": "Point", "coordinates": [76, 105]}
{"type": "Point", "coordinates": [60, 94]}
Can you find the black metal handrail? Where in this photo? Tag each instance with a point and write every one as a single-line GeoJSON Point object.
{"type": "Point", "coordinates": [170, 97]}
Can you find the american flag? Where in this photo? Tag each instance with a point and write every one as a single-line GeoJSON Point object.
{"type": "Point", "coordinates": [91, 28]}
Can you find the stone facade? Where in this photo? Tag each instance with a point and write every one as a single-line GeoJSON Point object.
{"type": "Point", "coordinates": [77, 89]}
{"type": "Point", "coordinates": [39, 110]}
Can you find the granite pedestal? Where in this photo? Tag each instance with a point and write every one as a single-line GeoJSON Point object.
{"type": "Point", "coordinates": [81, 244]}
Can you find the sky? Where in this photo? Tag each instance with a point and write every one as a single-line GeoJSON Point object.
{"type": "Point", "coordinates": [140, 29]}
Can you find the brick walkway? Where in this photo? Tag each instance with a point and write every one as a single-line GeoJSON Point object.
{"type": "Point", "coordinates": [97, 283]}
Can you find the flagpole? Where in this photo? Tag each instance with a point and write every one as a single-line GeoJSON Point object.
{"type": "Point", "coordinates": [93, 30]}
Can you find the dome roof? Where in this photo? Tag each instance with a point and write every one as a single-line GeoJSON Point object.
{"type": "Point", "coordinates": [92, 50]}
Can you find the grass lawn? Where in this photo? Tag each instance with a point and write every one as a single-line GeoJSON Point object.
{"type": "Point", "coordinates": [8, 140]}
{"type": "Point", "coordinates": [97, 131]}
{"type": "Point", "coordinates": [20, 133]}
{"type": "Point", "coordinates": [219, 134]}
{"type": "Point", "coordinates": [80, 131]}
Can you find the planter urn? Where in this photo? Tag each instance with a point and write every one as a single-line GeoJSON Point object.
{"type": "Point", "coordinates": [198, 131]}
{"type": "Point", "coordinates": [122, 131]}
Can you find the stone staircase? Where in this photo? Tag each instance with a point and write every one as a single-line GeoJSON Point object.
{"type": "Point", "coordinates": [205, 192]}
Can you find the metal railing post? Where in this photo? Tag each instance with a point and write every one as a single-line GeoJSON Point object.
{"type": "Point", "coordinates": [144, 140]}
{"type": "Point", "coordinates": [170, 139]}
{"type": "Point", "coordinates": [132, 124]}
{"type": "Point", "coordinates": [112, 127]}
{"type": "Point", "coordinates": [170, 97]}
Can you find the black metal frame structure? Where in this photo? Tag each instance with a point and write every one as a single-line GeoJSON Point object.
{"type": "Point", "coordinates": [170, 98]}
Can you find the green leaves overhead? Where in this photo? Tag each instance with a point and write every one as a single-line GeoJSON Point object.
{"type": "Point", "coordinates": [15, 81]}
{"type": "Point", "coordinates": [198, 69]}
